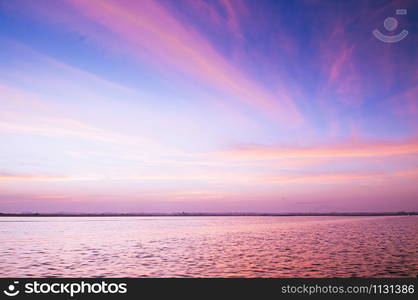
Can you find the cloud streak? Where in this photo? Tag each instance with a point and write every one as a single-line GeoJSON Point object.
{"type": "Point", "coordinates": [147, 27]}
{"type": "Point", "coordinates": [343, 150]}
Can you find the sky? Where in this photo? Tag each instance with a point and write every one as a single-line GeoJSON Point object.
{"type": "Point", "coordinates": [208, 106]}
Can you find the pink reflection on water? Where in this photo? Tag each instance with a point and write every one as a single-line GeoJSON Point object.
{"type": "Point", "coordinates": [209, 247]}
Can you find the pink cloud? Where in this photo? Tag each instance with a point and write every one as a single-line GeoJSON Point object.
{"type": "Point", "coordinates": [147, 31]}
{"type": "Point", "coordinates": [34, 178]}
{"type": "Point", "coordinates": [348, 149]}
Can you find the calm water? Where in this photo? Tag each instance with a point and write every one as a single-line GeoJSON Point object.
{"type": "Point", "coordinates": [209, 246]}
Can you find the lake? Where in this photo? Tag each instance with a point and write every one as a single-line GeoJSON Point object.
{"type": "Point", "coordinates": [205, 246]}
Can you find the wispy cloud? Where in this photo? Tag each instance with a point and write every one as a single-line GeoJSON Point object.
{"type": "Point", "coordinates": [46, 178]}
{"type": "Point", "coordinates": [347, 149]}
{"type": "Point", "coordinates": [146, 28]}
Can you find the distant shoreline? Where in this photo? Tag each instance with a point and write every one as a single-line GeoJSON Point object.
{"type": "Point", "coordinates": [184, 214]}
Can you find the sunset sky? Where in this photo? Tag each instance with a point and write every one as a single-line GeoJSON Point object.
{"type": "Point", "coordinates": [207, 106]}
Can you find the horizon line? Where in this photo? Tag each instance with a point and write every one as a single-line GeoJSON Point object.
{"type": "Point", "coordinates": [150, 214]}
